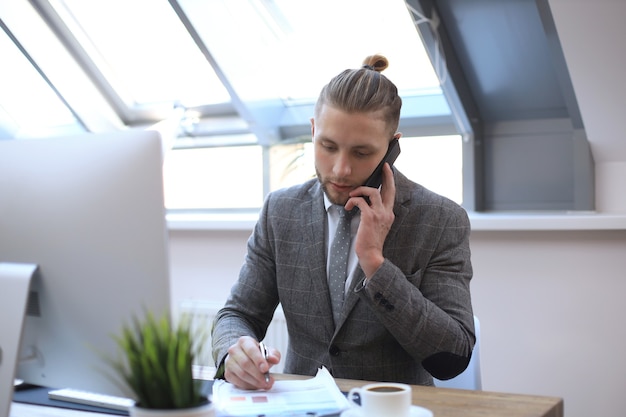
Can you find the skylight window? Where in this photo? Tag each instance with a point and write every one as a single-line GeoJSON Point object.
{"type": "Point", "coordinates": [288, 49]}
{"type": "Point", "coordinates": [143, 50]}
{"type": "Point", "coordinates": [29, 106]}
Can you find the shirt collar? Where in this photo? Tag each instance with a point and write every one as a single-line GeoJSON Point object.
{"type": "Point", "coordinates": [327, 203]}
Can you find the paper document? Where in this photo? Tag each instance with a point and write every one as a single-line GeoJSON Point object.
{"type": "Point", "coordinates": [317, 396]}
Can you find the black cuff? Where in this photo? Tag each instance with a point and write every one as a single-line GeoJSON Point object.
{"type": "Point", "coordinates": [446, 365]}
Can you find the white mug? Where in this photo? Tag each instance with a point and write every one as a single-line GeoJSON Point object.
{"type": "Point", "coordinates": [383, 399]}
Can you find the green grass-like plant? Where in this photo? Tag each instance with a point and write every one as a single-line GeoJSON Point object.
{"type": "Point", "coordinates": [157, 363]}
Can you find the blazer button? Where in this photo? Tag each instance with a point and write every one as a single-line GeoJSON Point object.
{"type": "Point", "coordinates": [378, 296]}
{"type": "Point", "coordinates": [334, 350]}
{"type": "Point", "coordinates": [390, 307]}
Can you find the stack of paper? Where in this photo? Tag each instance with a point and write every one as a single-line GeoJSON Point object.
{"type": "Point", "coordinates": [316, 396]}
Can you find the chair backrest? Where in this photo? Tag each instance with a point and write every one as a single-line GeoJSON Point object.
{"type": "Point", "coordinates": [470, 378]}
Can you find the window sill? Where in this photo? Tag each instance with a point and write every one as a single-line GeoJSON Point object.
{"type": "Point", "coordinates": [496, 221]}
{"type": "Point", "coordinates": [235, 220]}
{"type": "Point", "coordinates": [527, 221]}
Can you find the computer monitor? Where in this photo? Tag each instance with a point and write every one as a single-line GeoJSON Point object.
{"type": "Point", "coordinates": [88, 211]}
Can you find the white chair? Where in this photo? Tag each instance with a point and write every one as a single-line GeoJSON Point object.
{"type": "Point", "coordinates": [470, 378]}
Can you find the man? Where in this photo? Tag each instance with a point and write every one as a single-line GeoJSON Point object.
{"type": "Point", "coordinates": [405, 311]}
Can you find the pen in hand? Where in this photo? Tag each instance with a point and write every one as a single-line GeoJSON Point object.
{"type": "Point", "coordinates": [265, 353]}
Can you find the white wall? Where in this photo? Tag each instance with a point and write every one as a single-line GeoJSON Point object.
{"type": "Point", "coordinates": [550, 302]}
{"type": "Point", "coordinates": [592, 34]}
{"type": "Point", "coordinates": [205, 264]}
{"type": "Point", "coordinates": [551, 310]}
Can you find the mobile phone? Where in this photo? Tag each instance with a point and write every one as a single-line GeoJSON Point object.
{"type": "Point", "coordinates": [376, 179]}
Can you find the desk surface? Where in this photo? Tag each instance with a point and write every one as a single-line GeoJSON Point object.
{"type": "Point", "coordinates": [446, 402]}
{"type": "Point", "coordinates": [443, 402]}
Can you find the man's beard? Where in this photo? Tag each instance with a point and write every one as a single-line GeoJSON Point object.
{"type": "Point", "coordinates": [324, 185]}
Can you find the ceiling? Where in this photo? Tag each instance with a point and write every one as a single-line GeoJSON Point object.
{"type": "Point", "coordinates": [510, 89]}
{"type": "Point", "coordinates": [508, 57]}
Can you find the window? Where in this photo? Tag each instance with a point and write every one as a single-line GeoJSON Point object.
{"type": "Point", "coordinates": [436, 162]}
{"type": "Point", "coordinates": [20, 114]}
{"type": "Point", "coordinates": [238, 79]}
{"type": "Point", "coordinates": [244, 73]}
{"type": "Point", "coordinates": [198, 179]}
{"type": "Point", "coordinates": [143, 51]}
{"type": "Point", "coordinates": [216, 178]}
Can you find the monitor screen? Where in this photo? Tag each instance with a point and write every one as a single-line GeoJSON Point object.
{"type": "Point", "coordinates": [88, 210]}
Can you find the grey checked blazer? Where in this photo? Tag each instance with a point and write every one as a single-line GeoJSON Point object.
{"type": "Point", "coordinates": [413, 319]}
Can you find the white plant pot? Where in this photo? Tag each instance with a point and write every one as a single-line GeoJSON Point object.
{"type": "Point", "coordinates": [207, 410]}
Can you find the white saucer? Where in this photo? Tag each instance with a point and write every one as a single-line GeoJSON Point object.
{"type": "Point", "coordinates": [416, 411]}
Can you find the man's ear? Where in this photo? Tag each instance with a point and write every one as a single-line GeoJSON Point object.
{"type": "Point", "coordinates": [312, 128]}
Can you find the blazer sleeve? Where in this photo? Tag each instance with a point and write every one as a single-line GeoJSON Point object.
{"type": "Point", "coordinates": [422, 291]}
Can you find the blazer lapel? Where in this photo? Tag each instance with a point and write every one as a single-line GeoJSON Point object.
{"type": "Point", "coordinates": [314, 217]}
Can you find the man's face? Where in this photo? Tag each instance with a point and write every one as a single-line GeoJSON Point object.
{"type": "Point", "coordinates": [348, 147]}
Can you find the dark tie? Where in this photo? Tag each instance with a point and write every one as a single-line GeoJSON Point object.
{"type": "Point", "coordinates": [338, 263]}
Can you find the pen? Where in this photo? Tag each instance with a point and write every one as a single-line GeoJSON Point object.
{"type": "Point", "coordinates": [265, 353]}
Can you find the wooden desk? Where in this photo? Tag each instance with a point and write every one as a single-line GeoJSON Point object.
{"type": "Point", "coordinates": [446, 402]}
{"type": "Point", "coordinates": [443, 402]}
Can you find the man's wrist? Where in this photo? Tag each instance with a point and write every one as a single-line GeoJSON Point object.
{"type": "Point", "coordinates": [372, 266]}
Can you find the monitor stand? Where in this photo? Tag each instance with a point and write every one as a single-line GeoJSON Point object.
{"type": "Point", "coordinates": [15, 283]}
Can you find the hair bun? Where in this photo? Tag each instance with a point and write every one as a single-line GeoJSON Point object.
{"type": "Point", "coordinates": [376, 62]}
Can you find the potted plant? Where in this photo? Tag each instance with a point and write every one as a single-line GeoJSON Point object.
{"type": "Point", "coordinates": [156, 365]}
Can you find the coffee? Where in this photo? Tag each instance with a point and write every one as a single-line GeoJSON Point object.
{"type": "Point", "coordinates": [382, 399]}
{"type": "Point", "coordinates": [384, 389]}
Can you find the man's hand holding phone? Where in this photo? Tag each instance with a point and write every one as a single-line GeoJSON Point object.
{"type": "Point", "coordinates": [375, 179]}
{"type": "Point", "coordinates": [377, 215]}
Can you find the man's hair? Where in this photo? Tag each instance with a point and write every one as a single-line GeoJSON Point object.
{"type": "Point", "coordinates": [364, 90]}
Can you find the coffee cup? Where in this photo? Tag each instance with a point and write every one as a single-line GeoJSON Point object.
{"type": "Point", "coordinates": [382, 399]}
